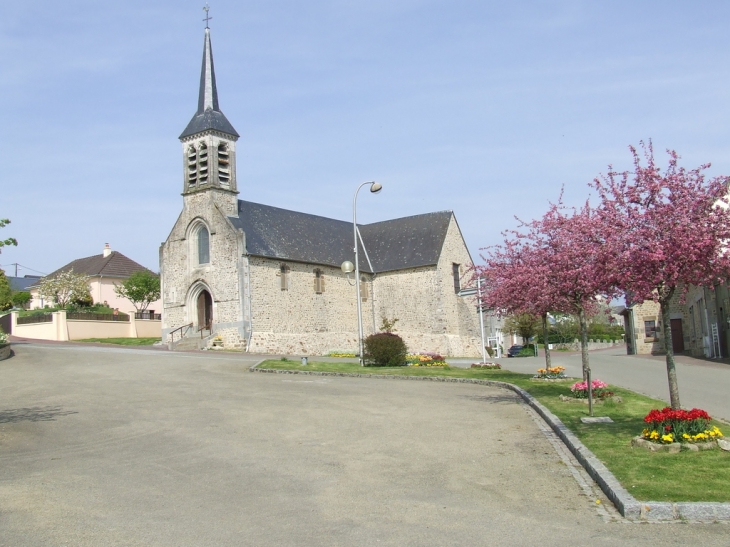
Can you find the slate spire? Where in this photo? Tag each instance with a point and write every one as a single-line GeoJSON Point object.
{"type": "Point", "coordinates": [209, 115]}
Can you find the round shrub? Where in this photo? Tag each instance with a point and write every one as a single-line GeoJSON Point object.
{"type": "Point", "coordinates": [385, 349]}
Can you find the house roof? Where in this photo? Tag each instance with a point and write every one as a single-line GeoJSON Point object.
{"type": "Point", "coordinates": [22, 283]}
{"type": "Point", "coordinates": [114, 265]}
{"type": "Point", "coordinates": [397, 244]}
{"type": "Point", "coordinates": [208, 115]}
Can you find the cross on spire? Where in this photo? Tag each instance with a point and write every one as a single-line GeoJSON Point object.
{"type": "Point", "coordinates": [206, 9]}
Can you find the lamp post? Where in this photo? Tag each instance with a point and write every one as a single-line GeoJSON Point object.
{"type": "Point", "coordinates": [347, 265]}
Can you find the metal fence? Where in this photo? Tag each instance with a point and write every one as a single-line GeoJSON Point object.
{"type": "Point", "coordinates": [41, 318]}
{"type": "Point", "coordinates": [97, 316]}
{"type": "Point", "coordinates": [148, 315]}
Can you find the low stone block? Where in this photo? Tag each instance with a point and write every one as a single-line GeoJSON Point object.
{"type": "Point", "coordinates": [706, 511]}
{"type": "Point", "coordinates": [691, 447]}
{"type": "Point", "coordinates": [596, 420]}
{"type": "Point", "coordinates": [724, 444]}
{"type": "Point", "coordinates": [657, 511]}
{"type": "Point", "coordinates": [707, 446]}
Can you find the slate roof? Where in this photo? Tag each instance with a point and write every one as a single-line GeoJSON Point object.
{"type": "Point", "coordinates": [208, 115]}
{"type": "Point", "coordinates": [397, 244]}
{"type": "Point", "coordinates": [22, 283]}
{"type": "Point", "coordinates": [114, 265]}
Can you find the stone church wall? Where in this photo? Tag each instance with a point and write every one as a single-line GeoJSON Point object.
{"type": "Point", "coordinates": [298, 320]}
{"type": "Point", "coordinates": [431, 317]}
{"type": "Point", "coordinates": [180, 270]}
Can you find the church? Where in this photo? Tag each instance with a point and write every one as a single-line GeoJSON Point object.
{"type": "Point", "coordinates": [269, 280]}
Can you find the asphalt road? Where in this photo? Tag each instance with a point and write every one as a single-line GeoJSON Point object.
{"type": "Point", "coordinates": [132, 447]}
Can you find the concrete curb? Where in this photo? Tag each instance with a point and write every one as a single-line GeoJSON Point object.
{"type": "Point", "coordinates": [627, 505]}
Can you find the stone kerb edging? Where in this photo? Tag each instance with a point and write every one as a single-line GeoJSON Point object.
{"type": "Point", "coordinates": [5, 351]}
{"type": "Point", "coordinates": [626, 504]}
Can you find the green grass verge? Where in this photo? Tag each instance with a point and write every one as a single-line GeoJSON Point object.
{"type": "Point", "coordinates": [649, 476]}
{"type": "Point", "coordinates": [122, 341]}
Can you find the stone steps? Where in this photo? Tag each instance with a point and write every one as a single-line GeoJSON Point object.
{"type": "Point", "coordinates": [188, 343]}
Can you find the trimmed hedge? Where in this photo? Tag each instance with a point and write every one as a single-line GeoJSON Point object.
{"type": "Point", "coordinates": [385, 349]}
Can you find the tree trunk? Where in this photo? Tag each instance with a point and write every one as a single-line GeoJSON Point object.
{"type": "Point", "coordinates": [671, 369]}
{"type": "Point", "coordinates": [545, 339]}
{"type": "Point", "coordinates": [584, 357]}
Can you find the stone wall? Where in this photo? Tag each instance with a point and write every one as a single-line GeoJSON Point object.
{"type": "Point", "coordinates": [182, 277]}
{"type": "Point", "coordinates": [297, 320]}
{"type": "Point", "coordinates": [249, 299]}
{"type": "Point", "coordinates": [647, 311]}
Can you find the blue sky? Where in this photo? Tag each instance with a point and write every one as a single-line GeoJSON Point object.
{"type": "Point", "coordinates": [484, 108]}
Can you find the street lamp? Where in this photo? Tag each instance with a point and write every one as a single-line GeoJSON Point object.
{"type": "Point", "coordinates": [347, 266]}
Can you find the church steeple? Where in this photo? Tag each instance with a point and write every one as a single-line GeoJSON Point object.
{"type": "Point", "coordinates": [209, 140]}
{"type": "Point", "coordinates": [209, 115]}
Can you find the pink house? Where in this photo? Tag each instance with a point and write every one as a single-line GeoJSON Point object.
{"type": "Point", "coordinates": [104, 271]}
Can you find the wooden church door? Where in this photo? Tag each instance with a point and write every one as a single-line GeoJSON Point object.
{"type": "Point", "coordinates": [205, 310]}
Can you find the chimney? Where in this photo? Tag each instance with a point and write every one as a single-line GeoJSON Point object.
{"type": "Point", "coordinates": [107, 250]}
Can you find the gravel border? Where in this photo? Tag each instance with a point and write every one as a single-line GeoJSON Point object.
{"type": "Point", "coordinates": [627, 505]}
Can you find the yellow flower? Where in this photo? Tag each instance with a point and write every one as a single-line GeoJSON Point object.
{"type": "Point", "coordinates": [668, 438]}
{"type": "Point", "coordinates": [654, 435]}
{"type": "Point", "coordinates": [686, 436]}
{"type": "Point", "coordinates": [645, 433]}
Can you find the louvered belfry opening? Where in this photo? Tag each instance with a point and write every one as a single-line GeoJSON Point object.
{"type": "Point", "coordinates": [224, 165]}
{"type": "Point", "coordinates": [203, 163]}
{"type": "Point", "coordinates": [192, 160]}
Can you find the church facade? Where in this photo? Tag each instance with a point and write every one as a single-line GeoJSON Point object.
{"type": "Point", "coordinates": [268, 280]}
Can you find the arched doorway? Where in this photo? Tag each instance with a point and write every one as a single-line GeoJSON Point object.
{"type": "Point", "coordinates": [205, 310]}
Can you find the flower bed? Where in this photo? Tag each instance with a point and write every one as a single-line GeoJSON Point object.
{"type": "Point", "coordinates": [550, 373]}
{"type": "Point", "coordinates": [426, 360]}
{"type": "Point", "coordinates": [341, 354]}
{"type": "Point", "coordinates": [580, 389]}
{"type": "Point", "coordinates": [680, 426]}
{"type": "Point", "coordinates": [488, 366]}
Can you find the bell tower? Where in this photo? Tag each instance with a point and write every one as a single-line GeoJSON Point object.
{"type": "Point", "coordinates": [209, 141]}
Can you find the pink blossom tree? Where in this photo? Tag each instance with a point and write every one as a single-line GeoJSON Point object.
{"type": "Point", "coordinates": [571, 244]}
{"type": "Point", "coordinates": [668, 230]}
{"type": "Point", "coordinates": [558, 264]}
{"type": "Point", "coordinates": [514, 281]}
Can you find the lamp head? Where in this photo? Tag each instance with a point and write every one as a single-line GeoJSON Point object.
{"type": "Point", "coordinates": [347, 267]}
{"type": "Point", "coordinates": [375, 187]}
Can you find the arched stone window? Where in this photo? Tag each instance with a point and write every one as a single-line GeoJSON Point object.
{"type": "Point", "coordinates": [203, 245]}
{"type": "Point", "coordinates": [363, 288]}
{"type": "Point", "coordinates": [284, 273]}
{"type": "Point", "coordinates": [318, 281]}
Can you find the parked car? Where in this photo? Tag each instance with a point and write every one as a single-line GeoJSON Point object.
{"type": "Point", "coordinates": [514, 351]}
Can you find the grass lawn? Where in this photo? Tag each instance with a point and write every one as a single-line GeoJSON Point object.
{"type": "Point", "coordinates": [648, 476]}
{"type": "Point", "coordinates": [122, 341]}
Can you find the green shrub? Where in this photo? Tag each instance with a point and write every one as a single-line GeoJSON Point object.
{"type": "Point", "coordinates": [527, 351]}
{"type": "Point", "coordinates": [385, 349]}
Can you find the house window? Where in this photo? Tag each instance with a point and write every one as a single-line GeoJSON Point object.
{"type": "Point", "coordinates": [203, 245]}
{"type": "Point", "coordinates": [192, 166]}
{"type": "Point", "coordinates": [456, 271]}
{"type": "Point", "coordinates": [284, 275]}
{"type": "Point", "coordinates": [318, 281]}
{"type": "Point", "coordinates": [650, 330]}
{"type": "Point", "coordinates": [203, 164]}
{"type": "Point", "coordinates": [363, 288]}
{"type": "Point", "coordinates": [224, 167]}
